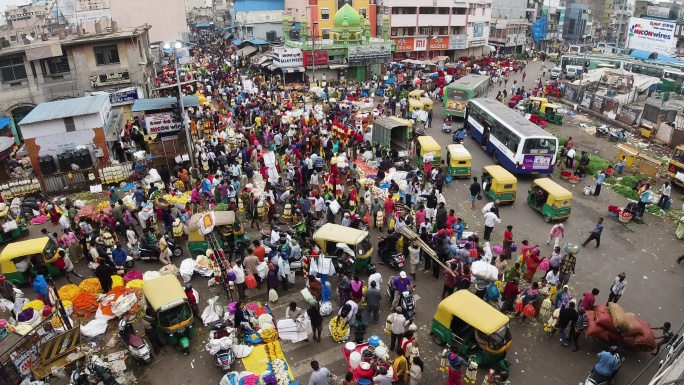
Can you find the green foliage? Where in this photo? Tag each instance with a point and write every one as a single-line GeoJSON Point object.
{"type": "Point", "coordinates": [631, 180]}
{"type": "Point", "coordinates": [221, 207]}
{"type": "Point", "coordinates": [596, 163]}
{"type": "Point", "coordinates": [655, 210]}
{"type": "Point", "coordinates": [627, 192]}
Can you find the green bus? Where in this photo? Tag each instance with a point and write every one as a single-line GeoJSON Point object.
{"type": "Point", "coordinates": [457, 94]}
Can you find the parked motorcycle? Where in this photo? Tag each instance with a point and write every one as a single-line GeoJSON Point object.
{"type": "Point", "coordinates": [406, 301]}
{"type": "Point", "coordinates": [176, 249]}
{"type": "Point", "coordinates": [394, 259]}
{"type": "Point", "coordinates": [602, 131]}
{"type": "Point", "coordinates": [135, 344]}
{"type": "Point", "coordinates": [617, 135]}
{"type": "Point", "coordinates": [94, 372]}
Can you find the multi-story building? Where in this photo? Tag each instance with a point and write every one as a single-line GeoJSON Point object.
{"type": "Point", "coordinates": [617, 31]}
{"type": "Point", "coordinates": [167, 18]}
{"type": "Point", "coordinates": [24, 20]}
{"type": "Point", "coordinates": [444, 28]}
{"type": "Point", "coordinates": [320, 15]}
{"type": "Point", "coordinates": [509, 25]}
{"type": "Point", "coordinates": [257, 19]}
{"type": "Point", "coordinates": [67, 66]}
{"type": "Point", "coordinates": [578, 24]}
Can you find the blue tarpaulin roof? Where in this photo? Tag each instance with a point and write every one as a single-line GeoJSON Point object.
{"type": "Point", "coordinates": [642, 55]}
{"type": "Point", "coordinates": [203, 25]}
{"type": "Point", "coordinates": [163, 103]}
{"type": "Point", "coordinates": [668, 59]}
{"type": "Point", "coordinates": [237, 41]}
{"type": "Point", "coordinates": [229, 28]}
{"type": "Point", "coordinates": [4, 121]}
{"type": "Point", "coordinates": [256, 41]}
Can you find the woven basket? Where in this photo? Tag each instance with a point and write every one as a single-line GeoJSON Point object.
{"type": "Point", "coordinates": [625, 218]}
{"type": "Point", "coordinates": [573, 180]}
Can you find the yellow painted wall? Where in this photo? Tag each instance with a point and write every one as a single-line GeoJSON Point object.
{"type": "Point", "coordinates": [332, 6]}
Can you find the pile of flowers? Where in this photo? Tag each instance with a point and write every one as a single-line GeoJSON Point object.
{"type": "Point", "coordinates": [269, 335]}
{"type": "Point", "coordinates": [265, 322]}
{"type": "Point", "coordinates": [150, 275]}
{"type": "Point", "coordinates": [169, 269]}
{"type": "Point", "coordinates": [136, 283]}
{"type": "Point", "coordinates": [339, 329]}
{"type": "Point", "coordinates": [68, 292]}
{"type": "Point", "coordinates": [117, 281]}
{"type": "Point", "coordinates": [57, 322]}
{"type": "Point", "coordinates": [102, 206]}
{"type": "Point", "coordinates": [279, 369]}
{"type": "Point", "coordinates": [36, 305]}
{"type": "Point", "coordinates": [85, 304]}
{"type": "Point", "coordinates": [131, 275]}
{"type": "Point", "coordinates": [91, 285]}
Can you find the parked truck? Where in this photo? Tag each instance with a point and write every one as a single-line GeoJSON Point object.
{"type": "Point", "coordinates": [392, 132]}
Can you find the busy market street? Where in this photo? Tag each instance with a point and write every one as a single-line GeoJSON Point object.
{"type": "Point", "coordinates": [348, 209]}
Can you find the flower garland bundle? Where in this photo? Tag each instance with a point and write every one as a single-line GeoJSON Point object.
{"type": "Point", "coordinates": [117, 281]}
{"type": "Point", "coordinates": [132, 275]}
{"type": "Point", "coordinates": [91, 285]}
{"type": "Point", "coordinates": [279, 369]}
{"type": "Point", "coordinates": [135, 284]}
{"type": "Point", "coordinates": [273, 351]}
{"type": "Point", "coordinates": [68, 292]}
{"type": "Point", "coordinates": [85, 303]}
{"type": "Point", "coordinates": [36, 305]}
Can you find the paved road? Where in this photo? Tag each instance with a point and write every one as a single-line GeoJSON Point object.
{"type": "Point", "coordinates": [645, 252]}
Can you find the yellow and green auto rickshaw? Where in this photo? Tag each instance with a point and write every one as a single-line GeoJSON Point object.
{"type": "Point", "coordinates": [499, 184]}
{"type": "Point", "coordinates": [551, 199]}
{"type": "Point", "coordinates": [335, 239]}
{"type": "Point", "coordinates": [427, 146]}
{"type": "Point", "coordinates": [414, 104]}
{"type": "Point", "coordinates": [421, 96]}
{"type": "Point", "coordinates": [173, 319]}
{"type": "Point", "coordinates": [40, 254]}
{"type": "Point", "coordinates": [472, 327]}
{"type": "Point", "coordinates": [459, 161]}
{"type": "Point", "coordinates": [232, 232]}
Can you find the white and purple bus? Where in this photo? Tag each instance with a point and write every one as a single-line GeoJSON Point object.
{"type": "Point", "coordinates": [517, 144]}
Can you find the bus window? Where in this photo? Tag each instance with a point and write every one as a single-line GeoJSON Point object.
{"type": "Point", "coordinates": [539, 146]}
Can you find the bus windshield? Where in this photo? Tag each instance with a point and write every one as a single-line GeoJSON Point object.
{"type": "Point", "coordinates": [460, 95]}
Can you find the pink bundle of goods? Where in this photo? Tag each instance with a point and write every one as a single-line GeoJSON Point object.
{"type": "Point", "coordinates": [92, 213]}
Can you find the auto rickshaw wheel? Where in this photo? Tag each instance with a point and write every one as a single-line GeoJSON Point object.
{"type": "Point", "coordinates": [547, 218]}
{"type": "Point", "coordinates": [437, 339]}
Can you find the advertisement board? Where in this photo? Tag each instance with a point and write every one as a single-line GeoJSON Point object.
{"type": "Point", "coordinates": [652, 35]}
{"type": "Point", "coordinates": [656, 11]}
{"type": "Point", "coordinates": [458, 41]}
{"type": "Point", "coordinates": [315, 58]}
{"type": "Point", "coordinates": [404, 44]}
{"type": "Point", "coordinates": [357, 53]}
{"type": "Point", "coordinates": [287, 57]}
{"type": "Point", "coordinates": [161, 122]}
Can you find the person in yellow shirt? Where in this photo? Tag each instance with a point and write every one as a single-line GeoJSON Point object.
{"type": "Point", "coordinates": [257, 122]}
{"type": "Point", "coordinates": [400, 366]}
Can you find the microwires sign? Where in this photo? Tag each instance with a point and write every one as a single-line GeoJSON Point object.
{"type": "Point", "coordinates": [652, 35]}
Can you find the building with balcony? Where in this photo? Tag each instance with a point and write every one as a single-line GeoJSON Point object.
{"type": "Point", "coordinates": [68, 66]}
{"type": "Point", "coordinates": [348, 52]}
{"type": "Point", "coordinates": [617, 29]}
{"type": "Point", "coordinates": [509, 25]}
{"type": "Point", "coordinates": [578, 24]}
{"type": "Point", "coordinates": [447, 28]}
{"type": "Point", "coordinates": [24, 20]}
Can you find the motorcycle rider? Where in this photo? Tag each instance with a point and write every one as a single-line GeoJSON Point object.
{"type": "Point", "coordinates": [400, 284]}
{"type": "Point", "coordinates": [389, 244]}
{"type": "Point", "coordinates": [355, 222]}
{"type": "Point", "coordinates": [147, 244]}
{"type": "Point", "coordinates": [607, 367]}
{"type": "Point", "coordinates": [275, 235]}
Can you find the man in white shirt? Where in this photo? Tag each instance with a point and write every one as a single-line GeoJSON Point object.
{"type": "Point", "coordinates": [377, 278]}
{"type": "Point", "coordinates": [490, 220]}
{"type": "Point", "coordinates": [571, 158]}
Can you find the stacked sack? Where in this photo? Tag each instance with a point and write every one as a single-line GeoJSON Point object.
{"type": "Point", "coordinates": [612, 323]}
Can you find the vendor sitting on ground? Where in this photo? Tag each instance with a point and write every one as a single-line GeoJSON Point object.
{"type": "Point", "coordinates": [610, 171]}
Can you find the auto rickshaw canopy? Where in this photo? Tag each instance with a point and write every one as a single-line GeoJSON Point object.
{"type": "Point", "coordinates": [429, 144]}
{"type": "Point", "coordinates": [471, 310]}
{"type": "Point", "coordinates": [554, 189]}
{"type": "Point", "coordinates": [458, 152]}
{"type": "Point", "coordinates": [163, 291]}
{"type": "Point", "coordinates": [416, 94]}
{"type": "Point", "coordinates": [24, 248]}
{"type": "Point", "coordinates": [415, 104]}
{"type": "Point", "coordinates": [331, 232]}
{"type": "Point", "coordinates": [221, 218]}
{"type": "Point", "coordinates": [501, 175]}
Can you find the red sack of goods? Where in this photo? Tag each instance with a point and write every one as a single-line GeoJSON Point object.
{"type": "Point", "coordinates": [604, 318]}
{"type": "Point", "coordinates": [631, 327]}
{"type": "Point", "coordinates": [614, 336]}
{"type": "Point", "coordinates": [646, 341]}
{"type": "Point", "coordinates": [250, 282]}
{"type": "Point", "coordinates": [594, 329]}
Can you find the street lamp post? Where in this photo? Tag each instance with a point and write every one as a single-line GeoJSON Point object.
{"type": "Point", "coordinates": [314, 36]}
{"type": "Point", "coordinates": [175, 47]}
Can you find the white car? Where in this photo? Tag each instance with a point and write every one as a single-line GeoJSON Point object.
{"type": "Point", "coordinates": [556, 73]}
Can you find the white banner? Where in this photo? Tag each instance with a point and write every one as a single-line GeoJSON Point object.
{"type": "Point", "coordinates": [652, 35]}
{"type": "Point", "coordinates": [161, 122]}
{"type": "Point", "coordinates": [287, 57]}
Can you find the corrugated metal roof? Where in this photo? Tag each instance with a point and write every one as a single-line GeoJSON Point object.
{"type": "Point", "coordinates": [163, 103]}
{"type": "Point", "coordinates": [66, 108]}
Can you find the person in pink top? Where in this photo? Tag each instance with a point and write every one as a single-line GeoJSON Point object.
{"type": "Point", "coordinates": [389, 210]}
{"type": "Point", "coordinates": [556, 233]}
{"type": "Point", "coordinates": [420, 215]}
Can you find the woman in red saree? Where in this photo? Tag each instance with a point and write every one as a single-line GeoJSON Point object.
{"type": "Point", "coordinates": [531, 258]}
{"type": "Point", "coordinates": [54, 215]}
